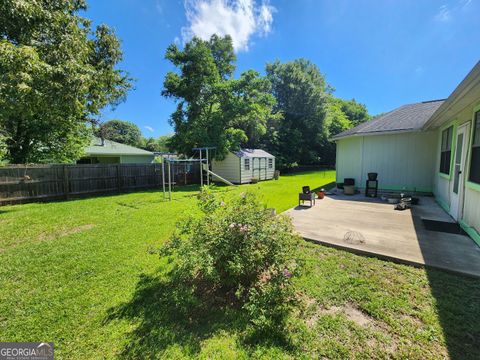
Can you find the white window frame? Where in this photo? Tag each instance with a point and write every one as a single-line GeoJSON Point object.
{"type": "Point", "coordinates": [247, 164]}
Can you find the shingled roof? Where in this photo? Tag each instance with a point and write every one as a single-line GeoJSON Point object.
{"type": "Point", "coordinates": [406, 118]}
{"type": "Point", "coordinates": [110, 147]}
{"type": "Point", "coordinates": [252, 153]}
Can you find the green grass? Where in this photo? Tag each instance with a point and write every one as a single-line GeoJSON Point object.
{"type": "Point", "coordinates": [80, 274]}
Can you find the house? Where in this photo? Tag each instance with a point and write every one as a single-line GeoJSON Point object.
{"type": "Point", "coordinates": [240, 167]}
{"type": "Point", "coordinates": [432, 147]}
{"type": "Point", "coordinates": [102, 151]}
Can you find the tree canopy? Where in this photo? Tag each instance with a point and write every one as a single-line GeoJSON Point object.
{"type": "Point", "coordinates": [121, 131]}
{"type": "Point", "coordinates": [213, 108]}
{"type": "Point", "coordinates": [160, 144]}
{"type": "Point", "coordinates": [310, 114]}
{"type": "Point", "coordinates": [56, 74]}
{"type": "Point", "coordinates": [357, 113]}
{"type": "Point", "coordinates": [302, 96]}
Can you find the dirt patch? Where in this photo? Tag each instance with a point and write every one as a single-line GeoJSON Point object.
{"type": "Point", "coordinates": [65, 232]}
{"type": "Point", "coordinates": [357, 316]}
{"type": "Point", "coordinates": [351, 312]}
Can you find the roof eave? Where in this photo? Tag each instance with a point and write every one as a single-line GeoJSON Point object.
{"type": "Point", "coordinates": [374, 133]}
{"type": "Point", "coordinates": [467, 84]}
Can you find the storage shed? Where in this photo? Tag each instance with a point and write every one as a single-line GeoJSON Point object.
{"type": "Point", "coordinates": [240, 167]}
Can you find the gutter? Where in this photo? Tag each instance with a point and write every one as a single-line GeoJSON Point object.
{"type": "Point", "coordinates": [373, 133]}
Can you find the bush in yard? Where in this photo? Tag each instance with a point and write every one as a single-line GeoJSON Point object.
{"type": "Point", "coordinates": [238, 252]}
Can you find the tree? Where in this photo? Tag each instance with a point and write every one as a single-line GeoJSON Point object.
{"type": "Point", "coordinates": [120, 131]}
{"type": "Point", "coordinates": [301, 95]}
{"type": "Point", "coordinates": [357, 113]}
{"type": "Point", "coordinates": [56, 74]}
{"type": "Point", "coordinates": [160, 144]}
{"type": "Point", "coordinates": [336, 121]}
{"type": "Point", "coordinates": [213, 109]}
{"type": "Point", "coordinates": [163, 143]}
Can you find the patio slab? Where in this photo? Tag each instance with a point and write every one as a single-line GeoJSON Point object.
{"type": "Point", "coordinates": [373, 227]}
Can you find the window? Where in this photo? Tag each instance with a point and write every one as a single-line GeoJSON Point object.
{"type": "Point", "coordinates": [446, 152]}
{"type": "Point", "coordinates": [270, 163]}
{"type": "Point", "coordinates": [475, 160]}
{"type": "Point", "coordinates": [247, 164]}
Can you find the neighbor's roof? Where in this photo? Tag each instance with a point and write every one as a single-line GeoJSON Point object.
{"type": "Point", "coordinates": [113, 148]}
{"type": "Point", "coordinates": [406, 118]}
{"type": "Point", "coordinates": [252, 153]}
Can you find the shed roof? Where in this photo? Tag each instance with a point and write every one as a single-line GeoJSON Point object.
{"type": "Point", "coordinates": [252, 153]}
{"type": "Point", "coordinates": [113, 148]}
{"type": "Point", "coordinates": [410, 117]}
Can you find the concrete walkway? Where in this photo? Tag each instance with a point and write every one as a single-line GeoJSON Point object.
{"type": "Point", "coordinates": [373, 227]}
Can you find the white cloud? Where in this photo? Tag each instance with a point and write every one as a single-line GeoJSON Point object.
{"type": "Point", "coordinates": [444, 14]}
{"type": "Point", "coordinates": [149, 128]}
{"type": "Point", "coordinates": [241, 19]}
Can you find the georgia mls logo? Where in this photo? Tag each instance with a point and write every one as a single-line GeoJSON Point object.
{"type": "Point", "coordinates": [26, 351]}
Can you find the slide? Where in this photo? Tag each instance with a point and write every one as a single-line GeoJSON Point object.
{"type": "Point", "coordinates": [215, 177]}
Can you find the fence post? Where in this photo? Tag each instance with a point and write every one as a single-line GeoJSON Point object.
{"type": "Point", "coordinates": [65, 182]}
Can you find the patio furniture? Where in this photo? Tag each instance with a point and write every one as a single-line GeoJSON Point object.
{"type": "Point", "coordinates": [306, 195]}
{"type": "Point", "coordinates": [371, 187]}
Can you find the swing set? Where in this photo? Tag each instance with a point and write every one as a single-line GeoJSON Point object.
{"type": "Point", "coordinates": [171, 165]}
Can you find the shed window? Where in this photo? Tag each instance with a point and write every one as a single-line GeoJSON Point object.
{"type": "Point", "coordinates": [270, 163]}
{"type": "Point", "coordinates": [247, 164]}
{"type": "Point", "coordinates": [475, 160]}
{"type": "Point", "coordinates": [446, 154]}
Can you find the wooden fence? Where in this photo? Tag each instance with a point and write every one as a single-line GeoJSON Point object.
{"type": "Point", "coordinates": [24, 183]}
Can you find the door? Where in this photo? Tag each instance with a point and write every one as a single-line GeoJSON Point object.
{"type": "Point", "coordinates": [457, 185]}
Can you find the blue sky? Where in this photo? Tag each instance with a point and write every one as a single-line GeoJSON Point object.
{"type": "Point", "coordinates": [382, 53]}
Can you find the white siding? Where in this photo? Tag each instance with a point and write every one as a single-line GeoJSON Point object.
{"type": "Point", "coordinates": [402, 161]}
{"type": "Point", "coordinates": [349, 159]}
{"type": "Point", "coordinates": [471, 205]}
{"type": "Point", "coordinates": [233, 168]}
{"type": "Point", "coordinates": [471, 210]}
{"type": "Point", "coordinates": [137, 159]}
{"type": "Point", "coordinates": [228, 168]}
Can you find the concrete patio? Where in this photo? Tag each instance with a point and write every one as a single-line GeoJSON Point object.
{"type": "Point", "coordinates": [372, 227]}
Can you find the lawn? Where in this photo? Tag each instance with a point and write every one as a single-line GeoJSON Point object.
{"type": "Point", "coordinates": [81, 274]}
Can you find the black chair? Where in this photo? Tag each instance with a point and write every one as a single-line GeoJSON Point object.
{"type": "Point", "coordinates": [306, 195]}
{"type": "Point", "coordinates": [371, 185]}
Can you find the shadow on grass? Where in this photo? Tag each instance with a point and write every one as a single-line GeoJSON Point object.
{"type": "Point", "coordinates": [457, 299]}
{"type": "Point", "coordinates": [168, 314]}
{"type": "Point", "coordinates": [458, 306]}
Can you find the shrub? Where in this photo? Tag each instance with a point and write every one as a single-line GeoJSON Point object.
{"type": "Point", "coordinates": [240, 253]}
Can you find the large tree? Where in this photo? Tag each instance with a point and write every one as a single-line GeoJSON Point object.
{"type": "Point", "coordinates": [120, 131]}
{"type": "Point", "coordinates": [302, 97]}
{"type": "Point", "coordinates": [356, 112]}
{"type": "Point", "coordinates": [56, 74]}
{"type": "Point", "coordinates": [160, 144]}
{"type": "Point", "coordinates": [213, 108]}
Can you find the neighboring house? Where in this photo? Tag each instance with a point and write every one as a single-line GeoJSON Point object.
{"type": "Point", "coordinates": [433, 147]}
{"type": "Point", "coordinates": [110, 152]}
{"type": "Point", "coordinates": [240, 167]}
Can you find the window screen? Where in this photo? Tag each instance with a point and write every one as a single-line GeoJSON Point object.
{"type": "Point", "coordinates": [475, 160]}
{"type": "Point", "coordinates": [446, 152]}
